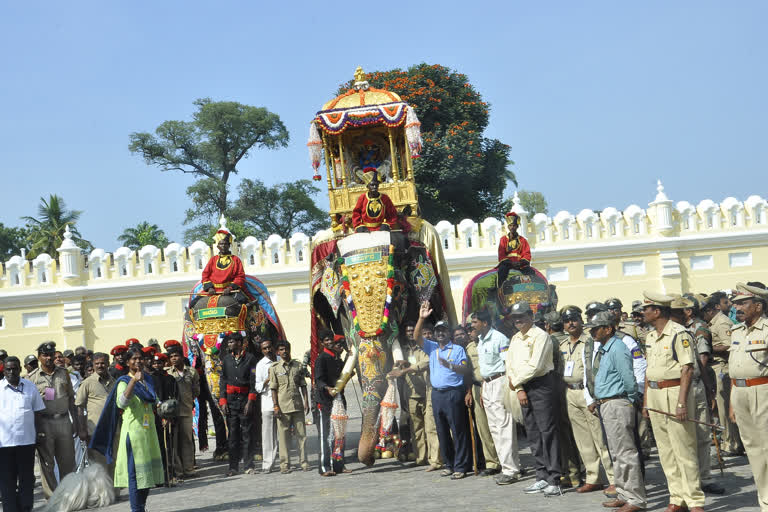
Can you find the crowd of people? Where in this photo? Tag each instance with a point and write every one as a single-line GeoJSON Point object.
{"type": "Point", "coordinates": [594, 389]}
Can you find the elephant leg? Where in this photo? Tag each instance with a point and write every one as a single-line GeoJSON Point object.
{"type": "Point", "coordinates": [372, 361]}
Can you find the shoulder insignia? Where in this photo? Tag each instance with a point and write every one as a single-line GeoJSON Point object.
{"type": "Point", "coordinates": [685, 343]}
{"type": "Point", "coordinates": [503, 349]}
{"type": "Point", "coordinates": [637, 354]}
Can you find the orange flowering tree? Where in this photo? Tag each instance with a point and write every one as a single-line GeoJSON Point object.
{"type": "Point", "coordinates": [461, 174]}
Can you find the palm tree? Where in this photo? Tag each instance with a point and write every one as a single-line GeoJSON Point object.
{"type": "Point", "coordinates": [46, 233]}
{"type": "Point", "coordinates": [143, 234]}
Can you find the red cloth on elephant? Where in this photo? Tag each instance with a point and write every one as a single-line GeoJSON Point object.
{"type": "Point", "coordinates": [225, 270]}
{"type": "Point", "coordinates": [373, 212]}
{"type": "Point", "coordinates": [514, 252]}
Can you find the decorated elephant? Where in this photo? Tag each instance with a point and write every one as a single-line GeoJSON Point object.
{"type": "Point", "coordinates": [207, 318]}
{"type": "Point", "coordinates": [485, 291]}
{"type": "Point", "coordinates": [366, 286]}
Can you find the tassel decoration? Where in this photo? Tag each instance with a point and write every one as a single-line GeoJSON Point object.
{"type": "Point", "coordinates": [413, 132]}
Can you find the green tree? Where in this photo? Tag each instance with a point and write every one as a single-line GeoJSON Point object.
{"type": "Point", "coordinates": [46, 232]}
{"type": "Point", "coordinates": [12, 241]}
{"type": "Point", "coordinates": [533, 202]}
{"type": "Point", "coordinates": [205, 232]}
{"type": "Point", "coordinates": [461, 174]}
{"type": "Point", "coordinates": [281, 209]}
{"type": "Point", "coordinates": [210, 147]}
{"type": "Point", "coordinates": [143, 234]}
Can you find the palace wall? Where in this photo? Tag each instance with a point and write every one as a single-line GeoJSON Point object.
{"type": "Point", "coordinates": [101, 299]}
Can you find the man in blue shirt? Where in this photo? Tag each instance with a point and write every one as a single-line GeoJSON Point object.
{"type": "Point", "coordinates": [610, 379]}
{"type": "Point", "coordinates": [448, 373]}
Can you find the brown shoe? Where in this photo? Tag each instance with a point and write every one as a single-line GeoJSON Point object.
{"type": "Point", "coordinates": [610, 491]}
{"type": "Point", "coordinates": [674, 508]}
{"type": "Point", "coordinates": [629, 508]}
{"type": "Point", "coordinates": [589, 488]}
{"type": "Point", "coordinates": [614, 503]}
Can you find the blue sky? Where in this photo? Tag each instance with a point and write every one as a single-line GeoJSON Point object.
{"type": "Point", "coordinates": [597, 99]}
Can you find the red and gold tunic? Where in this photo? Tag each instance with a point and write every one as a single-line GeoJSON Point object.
{"type": "Point", "coordinates": [372, 212]}
{"type": "Point", "coordinates": [514, 250]}
{"type": "Point", "coordinates": [224, 270]}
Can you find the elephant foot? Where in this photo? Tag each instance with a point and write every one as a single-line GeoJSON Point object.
{"type": "Point", "coordinates": [368, 458]}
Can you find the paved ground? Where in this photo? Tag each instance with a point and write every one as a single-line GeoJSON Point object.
{"type": "Point", "coordinates": [391, 485]}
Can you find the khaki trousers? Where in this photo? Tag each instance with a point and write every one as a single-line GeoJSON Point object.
{"type": "Point", "coordinates": [416, 410]}
{"type": "Point", "coordinates": [184, 460]}
{"type": "Point", "coordinates": [619, 419]}
{"type": "Point", "coordinates": [676, 441]}
{"type": "Point", "coordinates": [730, 436]}
{"type": "Point", "coordinates": [56, 443]}
{"type": "Point", "coordinates": [569, 455]}
{"type": "Point", "coordinates": [750, 405]}
{"type": "Point", "coordinates": [501, 425]}
{"type": "Point", "coordinates": [589, 437]}
{"type": "Point", "coordinates": [284, 422]}
{"type": "Point", "coordinates": [430, 428]}
{"type": "Point", "coordinates": [484, 431]}
{"type": "Point", "coordinates": [703, 433]}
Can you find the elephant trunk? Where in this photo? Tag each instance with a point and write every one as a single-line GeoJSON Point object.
{"type": "Point", "coordinates": [372, 362]}
{"type": "Point", "coordinates": [369, 433]}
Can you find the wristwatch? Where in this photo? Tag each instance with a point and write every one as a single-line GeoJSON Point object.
{"type": "Point", "coordinates": [681, 406]}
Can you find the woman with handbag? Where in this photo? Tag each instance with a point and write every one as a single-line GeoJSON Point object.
{"type": "Point", "coordinates": [139, 464]}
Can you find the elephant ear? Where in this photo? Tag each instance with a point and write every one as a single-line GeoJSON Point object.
{"type": "Point", "coordinates": [422, 276]}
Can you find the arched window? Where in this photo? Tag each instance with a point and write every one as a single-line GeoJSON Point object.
{"type": "Point", "coordinates": [445, 242]}
{"type": "Point", "coordinates": [174, 266]}
{"type": "Point", "coordinates": [252, 259]}
{"type": "Point", "coordinates": [301, 255]}
{"type": "Point", "coordinates": [275, 257]}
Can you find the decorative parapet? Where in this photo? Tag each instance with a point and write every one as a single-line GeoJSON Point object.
{"type": "Point", "coordinates": [586, 231]}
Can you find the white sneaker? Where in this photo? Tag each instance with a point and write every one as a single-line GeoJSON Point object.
{"type": "Point", "coordinates": [536, 487]}
{"type": "Point", "coordinates": [552, 490]}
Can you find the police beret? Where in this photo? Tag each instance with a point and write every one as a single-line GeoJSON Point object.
{"type": "Point", "coordinates": [131, 341]}
{"type": "Point", "coordinates": [656, 299]}
{"type": "Point", "coordinates": [47, 347]}
{"type": "Point", "coordinates": [601, 319]}
{"type": "Point", "coordinates": [745, 291]}
{"type": "Point", "coordinates": [149, 350]}
{"type": "Point", "coordinates": [120, 349]}
{"type": "Point", "coordinates": [160, 357]}
{"type": "Point", "coordinates": [170, 343]}
{"type": "Point", "coordinates": [520, 308]}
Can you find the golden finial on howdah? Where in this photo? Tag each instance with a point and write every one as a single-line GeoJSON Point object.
{"type": "Point", "coordinates": [359, 74]}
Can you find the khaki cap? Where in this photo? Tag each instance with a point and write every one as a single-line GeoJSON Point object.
{"type": "Point", "coordinates": [520, 308]}
{"type": "Point", "coordinates": [744, 291]}
{"type": "Point", "coordinates": [656, 299]}
{"type": "Point", "coordinates": [601, 319]}
{"type": "Point", "coordinates": [680, 302]}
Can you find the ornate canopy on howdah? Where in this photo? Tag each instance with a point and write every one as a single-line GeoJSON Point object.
{"type": "Point", "coordinates": [362, 130]}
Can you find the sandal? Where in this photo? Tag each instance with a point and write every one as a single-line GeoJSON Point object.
{"type": "Point", "coordinates": [328, 473]}
{"type": "Point", "coordinates": [231, 472]}
{"type": "Point", "coordinates": [446, 472]}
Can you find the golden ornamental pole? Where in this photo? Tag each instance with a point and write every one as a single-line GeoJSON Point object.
{"type": "Point", "coordinates": [327, 162]}
{"type": "Point", "coordinates": [393, 158]}
{"type": "Point", "coordinates": [341, 158]}
{"type": "Point", "coordinates": [408, 160]}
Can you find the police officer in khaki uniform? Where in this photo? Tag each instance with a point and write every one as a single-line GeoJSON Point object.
{"type": "Point", "coordinates": [721, 327]}
{"type": "Point", "coordinates": [684, 311]}
{"type": "Point", "coordinates": [54, 427]}
{"type": "Point", "coordinates": [585, 425]}
{"type": "Point", "coordinates": [569, 454]}
{"type": "Point", "coordinates": [749, 377]}
{"type": "Point", "coordinates": [188, 388]}
{"type": "Point", "coordinates": [629, 327]}
{"type": "Point", "coordinates": [668, 389]}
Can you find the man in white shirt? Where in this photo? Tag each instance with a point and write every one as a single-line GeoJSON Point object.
{"type": "Point", "coordinates": [19, 401]}
{"type": "Point", "coordinates": [268, 427]}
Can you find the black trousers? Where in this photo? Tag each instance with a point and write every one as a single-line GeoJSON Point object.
{"type": "Point", "coordinates": [218, 420]}
{"type": "Point", "coordinates": [540, 424]}
{"type": "Point", "coordinates": [325, 441]}
{"type": "Point", "coordinates": [239, 437]}
{"type": "Point", "coordinates": [17, 477]}
{"type": "Point", "coordinates": [452, 421]}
